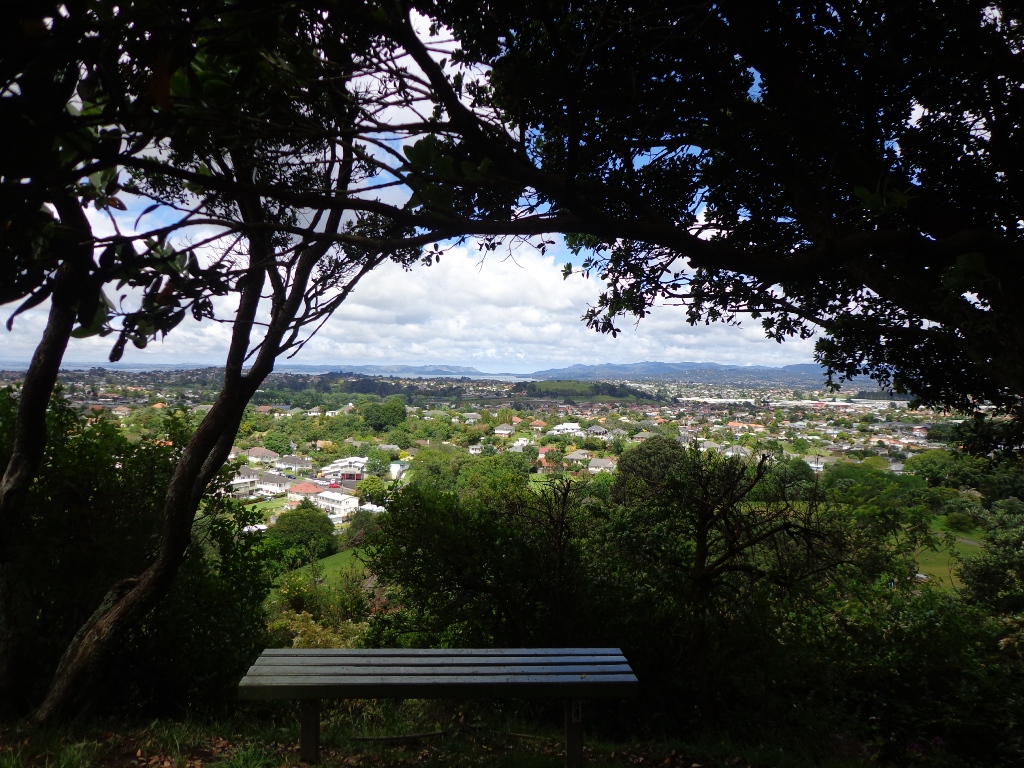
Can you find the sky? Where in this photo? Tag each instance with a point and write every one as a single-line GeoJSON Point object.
{"type": "Point", "coordinates": [497, 315]}
{"type": "Point", "coordinates": [511, 315]}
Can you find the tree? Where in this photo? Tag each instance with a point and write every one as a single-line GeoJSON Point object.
{"type": "Point", "coordinates": [470, 571]}
{"type": "Point", "coordinates": [243, 110]}
{"type": "Point", "coordinates": [372, 490]}
{"type": "Point", "coordinates": [994, 578]}
{"type": "Point", "coordinates": [277, 442]}
{"type": "Point", "coordinates": [815, 165]}
{"type": "Point", "coordinates": [92, 519]}
{"type": "Point", "coordinates": [305, 533]}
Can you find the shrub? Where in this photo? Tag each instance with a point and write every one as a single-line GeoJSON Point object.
{"type": "Point", "coordinates": [960, 522]}
{"type": "Point", "coordinates": [92, 520]}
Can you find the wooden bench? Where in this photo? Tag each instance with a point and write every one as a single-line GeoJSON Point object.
{"type": "Point", "coordinates": [309, 675]}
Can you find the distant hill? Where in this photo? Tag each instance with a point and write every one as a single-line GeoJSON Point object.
{"type": "Point", "coordinates": [808, 375]}
{"type": "Point", "coordinates": [800, 376]}
{"type": "Point", "coordinates": [407, 370]}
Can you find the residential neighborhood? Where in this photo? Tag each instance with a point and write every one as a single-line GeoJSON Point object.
{"type": "Point", "coordinates": [318, 438]}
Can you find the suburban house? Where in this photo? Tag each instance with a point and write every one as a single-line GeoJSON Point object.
{"type": "Point", "coordinates": [537, 425]}
{"type": "Point", "coordinates": [121, 411]}
{"type": "Point", "coordinates": [471, 418]}
{"type": "Point", "coordinates": [597, 431]}
{"type": "Point", "coordinates": [245, 483]}
{"type": "Point", "coordinates": [601, 465]}
{"type": "Point", "coordinates": [260, 455]}
{"type": "Point", "coordinates": [294, 463]}
{"type": "Point", "coordinates": [336, 505]}
{"type": "Point", "coordinates": [641, 436]}
{"type": "Point", "coordinates": [504, 430]}
{"type": "Point", "coordinates": [351, 468]}
{"type": "Point", "coordinates": [737, 451]}
{"type": "Point", "coordinates": [568, 428]}
{"type": "Point", "coordinates": [398, 468]}
{"type": "Point", "coordinates": [272, 483]}
{"type": "Point", "coordinates": [476, 449]}
{"type": "Point", "coordinates": [301, 491]}
{"type": "Point", "coordinates": [577, 456]}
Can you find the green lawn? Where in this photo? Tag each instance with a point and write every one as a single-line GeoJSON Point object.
{"type": "Point", "coordinates": [938, 565]}
{"type": "Point", "coordinates": [272, 507]}
{"type": "Point", "coordinates": [335, 565]}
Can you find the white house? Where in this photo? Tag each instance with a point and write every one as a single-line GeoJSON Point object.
{"type": "Point", "coordinates": [273, 483]}
{"type": "Point", "coordinates": [260, 455]}
{"type": "Point", "coordinates": [568, 428]}
{"type": "Point", "coordinates": [294, 463]}
{"type": "Point", "coordinates": [336, 504]}
{"type": "Point", "coordinates": [351, 468]}
{"type": "Point", "coordinates": [245, 483]}
{"type": "Point", "coordinates": [504, 430]}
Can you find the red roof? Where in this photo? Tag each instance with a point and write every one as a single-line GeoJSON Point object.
{"type": "Point", "coordinates": [538, 423]}
{"type": "Point", "coordinates": [305, 488]}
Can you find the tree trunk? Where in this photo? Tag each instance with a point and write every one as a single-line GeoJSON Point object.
{"type": "Point", "coordinates": [30, 429]}
{"type": "Point", "coordinates": [128, 601]}
{"type": "Point", "coordinates": [206, 452]}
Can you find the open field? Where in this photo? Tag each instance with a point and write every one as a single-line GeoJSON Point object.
{"type": "Point", "coordinates": [938, 565]}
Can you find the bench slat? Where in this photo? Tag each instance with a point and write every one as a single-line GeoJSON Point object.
{"type": "Point", "coordinates": [435, 686]}
{"type": "Point", "coordinates": [442, 652]}
{"type": "Point", "coordinates": [457, 662]}
{"type": "Point", "coordinates": [436, 669]}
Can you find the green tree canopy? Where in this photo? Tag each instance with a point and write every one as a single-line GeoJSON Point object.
{"type": "Point", "coordinates": [814, 165]}
{"type": "Point", "coordinates": [303, 534]}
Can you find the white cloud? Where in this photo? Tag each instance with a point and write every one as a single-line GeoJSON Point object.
{"type": "Point", "coordinates": [499, 315]}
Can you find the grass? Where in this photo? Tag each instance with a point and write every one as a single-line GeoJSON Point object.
{"type": "Point", "coordinates": [938, 565]}
{"type": "Point", "coordinates": [335, 565]}
{"type": "Point", "coordinates": [375, 734]}
{"type": "Point", "coordinates": [338, 563]}
{"type": "Point", "coordinates": [272, 507]}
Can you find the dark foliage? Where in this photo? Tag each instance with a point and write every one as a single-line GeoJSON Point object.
{"type": "Point", "coordinates": [93, 519]}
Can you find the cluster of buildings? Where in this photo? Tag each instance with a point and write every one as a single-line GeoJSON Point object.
{"type": "Point", "coordinates": [333, 489]}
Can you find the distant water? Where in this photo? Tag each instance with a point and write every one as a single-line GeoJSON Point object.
{"type": "Point", "coordinates": [306, 369]}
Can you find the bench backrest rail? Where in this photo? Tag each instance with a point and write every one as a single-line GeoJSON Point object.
{"type": "Point", "coordinates": [438, 673]}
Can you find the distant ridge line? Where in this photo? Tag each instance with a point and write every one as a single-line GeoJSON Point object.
{"type": "Point", "coordinates": [647, 369]}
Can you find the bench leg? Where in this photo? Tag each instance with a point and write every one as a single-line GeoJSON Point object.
{"type": "Point", "coordinates": [309, 730]}
{"type": "Point", "coordinates": [573, 733]}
